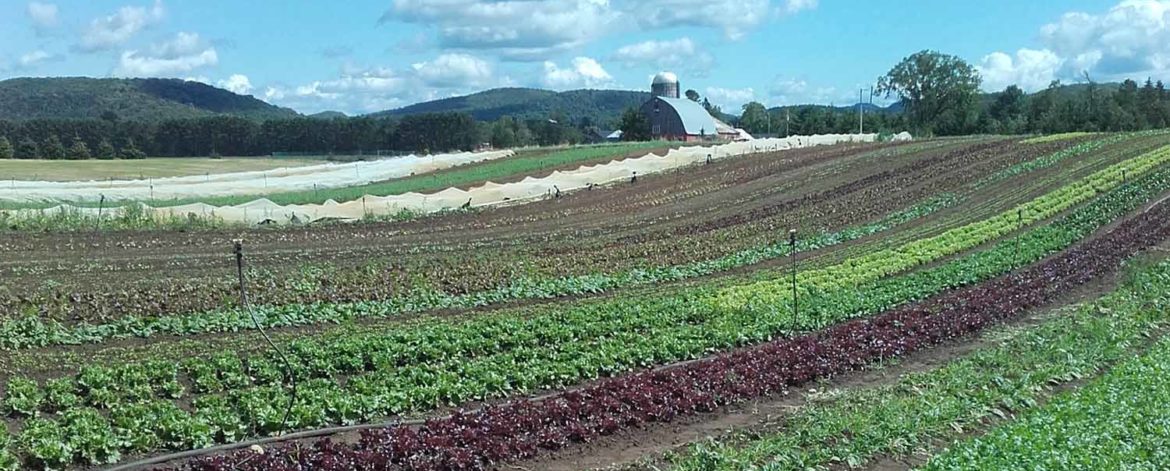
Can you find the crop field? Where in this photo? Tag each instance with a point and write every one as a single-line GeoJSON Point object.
{"type": "Point", "coordinates": [64, 170]}
{"type": "Point", "coordinates": [962, 303]}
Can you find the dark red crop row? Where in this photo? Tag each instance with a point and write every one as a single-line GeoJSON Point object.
{"type": "Point", "coordinates": [522, 429]}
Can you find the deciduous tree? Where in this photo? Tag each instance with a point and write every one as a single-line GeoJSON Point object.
{"type": "Point", "coordinates": [938, 90]}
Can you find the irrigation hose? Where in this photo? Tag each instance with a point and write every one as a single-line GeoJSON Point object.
{"type": "Point", "coordinates": [350, 428]}
{"type": "Point", "coordinates": [292, 377]}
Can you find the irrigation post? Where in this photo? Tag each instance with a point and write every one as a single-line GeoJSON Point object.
{"type": "Point", "coordinates": [238, 249]}
{"type": "Point", "coordinates": [1019, 227]}
{"type": "Point", "coordinates": [792, 253]}
{"type": "Point", "coordinates": [101, 205]}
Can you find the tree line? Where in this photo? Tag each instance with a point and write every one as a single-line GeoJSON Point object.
{"type": "Point", "coordinates": [938, 93]}
{"type": "Point", "coordinates": [236, 136]}
{"type": "Point", "coordinates": [939, 96]}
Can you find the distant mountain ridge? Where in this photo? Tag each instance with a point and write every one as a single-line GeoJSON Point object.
{"type": "Point", "coordinates": [599, 107]}
{"type": "Point", "coordinates": [126, 99]}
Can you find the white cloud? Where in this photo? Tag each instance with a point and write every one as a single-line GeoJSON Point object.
{"type": "Point", "coordinates": [584, 72]}
{"type": "Point", "coordinates": [1031, 69]}
{"type": "Point", "coordinates": [730, 99]}
{"type": "Point", "coordinates": [273, 93]}
{"type": "Point", "coordinates": [454, 70]}
{"type": "Point", "coordinates": [734, 17]}
{"type": "Point", "coordinates": [515, 29]}
{"type": "Point", "coordinates": [1130, 40]}
{"type": "Point", "coordinates": [793, 7]}
{"type": "Point", "coordinates": [236, 83]}
{"type": "Point", "coordinates": [786, 91]}
{"type": "Point", "coordinates": [43, 15]}
{"type": "Point", "coordinates": [538, 30]}
{"type": "Point", "coordinates": [113, 30]}
{"type": "Point", "coordinates": [681, 53]}
{"type": "Point", "coordinates": [363, 90]}
{"type": "Point", "coordinates": [33, 58]}
{"type": "Point", "coordinates": [184, 53]}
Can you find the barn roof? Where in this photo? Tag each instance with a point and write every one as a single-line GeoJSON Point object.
{"type": "Point", "coordinates": [696, 120]}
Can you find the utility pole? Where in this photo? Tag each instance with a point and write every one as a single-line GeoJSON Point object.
{"type": "Point", "coordinates": [861, 108]}
{"type": "Point", "coordinates": [787, 121]}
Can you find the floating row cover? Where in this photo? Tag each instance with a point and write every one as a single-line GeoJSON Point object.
{"type": "Point", "coordinates": [488, 194]}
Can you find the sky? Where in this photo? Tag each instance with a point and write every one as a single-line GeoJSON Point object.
{"type": "Point", "coordinates": [360, 56]}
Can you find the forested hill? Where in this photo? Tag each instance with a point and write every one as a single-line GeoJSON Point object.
{"type": "Point", "coordinates": [599, 107]}
{"type": "Point", "coordinates": [125, 99]}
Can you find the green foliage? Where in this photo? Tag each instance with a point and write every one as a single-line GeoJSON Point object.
{"type": "Point", "coordinates": [105, 150]}
{"type": "Point", "coordinates": [601, 107]}
{"type": "Point", "coordinates": [53, 149]}
{"type": "Point", "coordinates": [939, 91]}
{"type": "Point", "coordinates": [23, 397]}
{"type": "Point", "coordinates": [420, 366]}
{"type": "Point", "coordinates": [755, 119]}
{"type": "Point", "coordinates": [857, 426]}
{"type": "Point", "coordinates": [131, 151]}
{"type": "Point", "coordinates": [6, 150]}
{"type": "Point", "coordinates": [877, 264]}
{"type": "Point", "coordinates": [437, 132]}
{"type": "Point", "coordinates": [27, 149]}
{"type": "Point", "coordinates": [78, 151]}
{"type": "Point", "coordinates": [1118, 421]}
{"type": "Point", "coordinates": [134, 99]}
{"type": "Point", "coordinates": [8, 459]}
{"type": "Point", "coordinates": [634, 125]}
{"type": "Point", "coordinates": [45, 443]}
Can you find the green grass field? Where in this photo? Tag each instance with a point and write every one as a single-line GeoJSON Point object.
{"type": "Point", "coordinates": [81, 170]}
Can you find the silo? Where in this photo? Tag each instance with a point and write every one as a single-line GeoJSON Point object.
{"type": "Point", "coordinates": [665, 85]}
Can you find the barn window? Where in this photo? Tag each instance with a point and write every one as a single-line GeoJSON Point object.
{"type": "Point", "coordinates": [656, 129]}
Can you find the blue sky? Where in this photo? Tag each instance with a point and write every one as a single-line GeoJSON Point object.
{"type": "Point", "coordinates": [367, 55]}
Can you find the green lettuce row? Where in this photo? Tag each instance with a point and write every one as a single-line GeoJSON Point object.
{"type": "Point", "coordinates": [1119, 421]}
{"type": "Point", "coordinates": [853, 427]}
{"type": "Point", "coordinates": [1060, 156]}
{"type": "Point", "coordinates": [881, 263]}
{"type": "Point", "coordinates": [405, 370]}
{"type": "Point", "coordinates": [34, 331]}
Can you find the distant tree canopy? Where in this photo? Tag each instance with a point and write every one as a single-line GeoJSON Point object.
{"type": "Point", "coordinates": [939, 92]}
{"type": "Point", "coordinates": [634, 125]}
{"type": "Point", "coordinates": [755, 118]}
{"type": "Point", "coordinates": [692, 95]}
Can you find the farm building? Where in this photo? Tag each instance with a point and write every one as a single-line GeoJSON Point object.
{"type": "Point", "coordinates": [679, 119]}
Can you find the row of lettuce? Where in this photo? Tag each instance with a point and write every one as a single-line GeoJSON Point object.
{"type": "Point", "coordinates": [1002, 382]}
{"type": "Point", "coordinates": [1118, 421]}
{"type": "Point", "coordinates": [29, 331]}
{"type": "Point", "coordinates": [135, 407]}
{"type": "Point", "coordinates": [36, 331]}
{"type": "Point", "coordinates": [517, 430]}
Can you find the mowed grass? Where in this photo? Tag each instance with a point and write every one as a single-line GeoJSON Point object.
{"type": "Point", "coordinates": [528, 162]}
{"type": "Point", "coordinates": [84, 170]}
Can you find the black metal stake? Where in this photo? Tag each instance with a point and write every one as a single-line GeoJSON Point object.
{"type": "Point", "coordinates": [1019, 227]}
{"type": "Point", "coordinates": [792, 251]}
{"type": "Point", "coordinates": [101, 205]}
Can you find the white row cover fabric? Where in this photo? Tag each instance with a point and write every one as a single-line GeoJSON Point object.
{"type": "Point", "coordinates": [489, 194]}
{"type": "Point", "coordinates": [307, 178]}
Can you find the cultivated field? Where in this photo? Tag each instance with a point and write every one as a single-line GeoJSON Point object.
{"type": "Point", "coordinates": [964, 303]}
{"type": "Point", "coordinates": [84, 170]}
